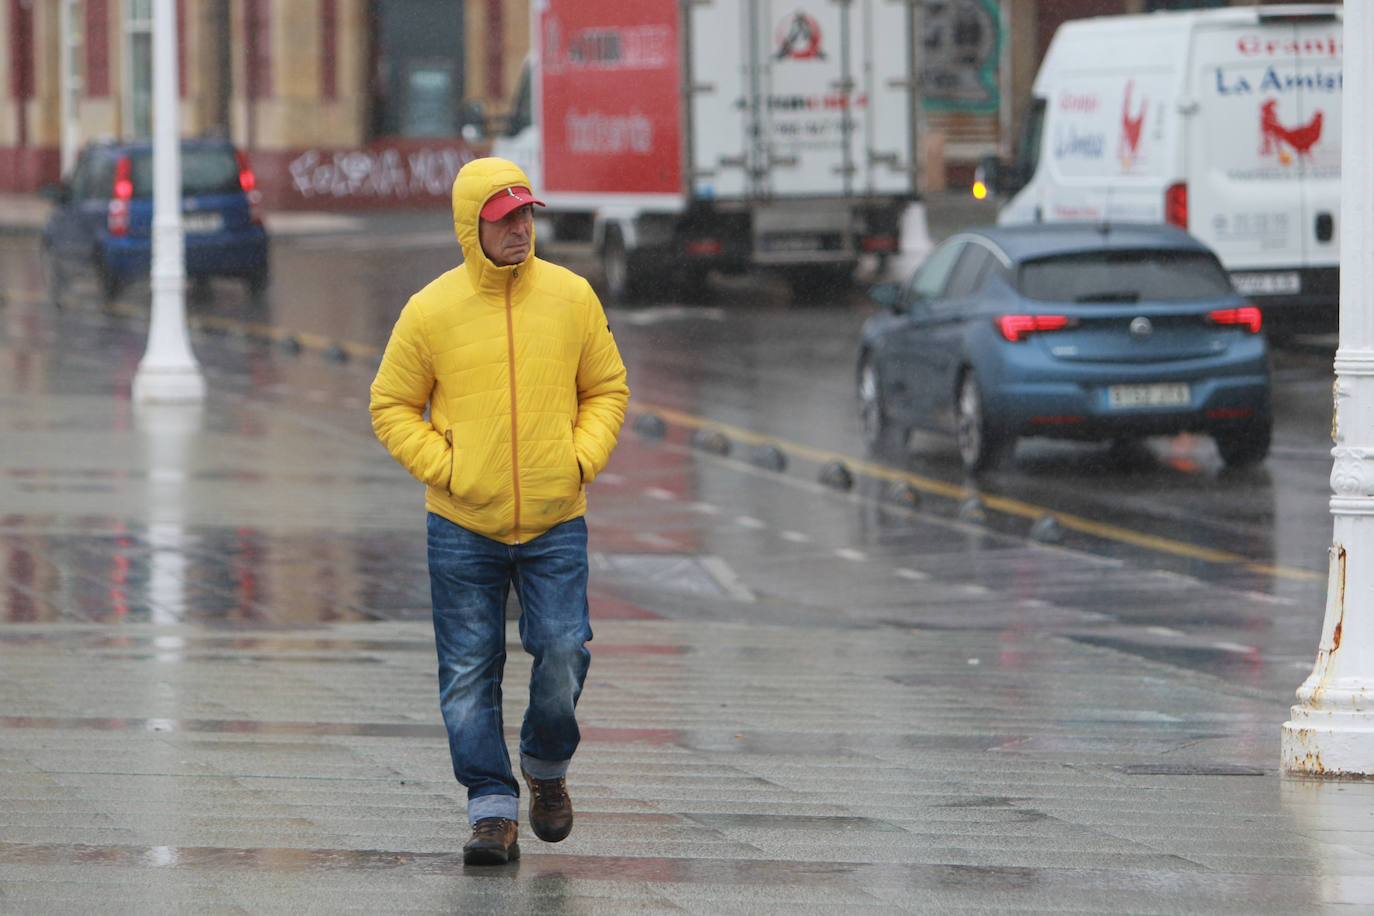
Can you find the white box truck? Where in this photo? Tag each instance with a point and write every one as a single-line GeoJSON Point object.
{"type": "Point", "coordinates": [680, 137]}
{"type": "Point", "coordinates": [1226, 122]}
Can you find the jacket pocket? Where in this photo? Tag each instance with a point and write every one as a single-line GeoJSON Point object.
{"type": "Point", "coordinates": [469, 484]}
{"type": "Point", "coordinates": [452, 460]}
{"type": "Point", "coordinates": [576, 461]}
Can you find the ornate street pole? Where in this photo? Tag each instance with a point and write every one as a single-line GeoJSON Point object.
{"type": "Point", "coordinates": [168, 372]}
{"type": "Point", "coordinates": [1331, 732]}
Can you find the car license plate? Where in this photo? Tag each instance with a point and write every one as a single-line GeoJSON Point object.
{"type": "Point", "coordinates": [200, 223]}
{"type": "Point", "coordinates": [1123, 397]}
{"type": "Point", "coordinates": [1271, 284]}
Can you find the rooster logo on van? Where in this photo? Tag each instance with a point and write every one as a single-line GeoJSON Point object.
{"type": "Point", "coordinates": [1278, 140]}
{"type": "Point", "coordinates": [1129, 148]}
{"type": "Point", "coordinates": [799, 38]}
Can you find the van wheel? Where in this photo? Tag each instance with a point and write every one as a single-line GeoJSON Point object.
{"type": "Point", "coordinates": [690, 284]}
{"type": "Point", "coordinates": [981, 446]}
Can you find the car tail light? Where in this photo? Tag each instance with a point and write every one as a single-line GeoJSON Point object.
{"type": "Point", "coordinates": [1176, 205]}
{"type": "Point", "coordinates": [117, 214]}
{"type": "Point", "coordinates": [1019, 327]}
{"type": "Point", "coordinates": [879, 243]}
{"type": "Point", "coordinates": [1247, 315]}
{"type": "Point", "coordinates": [249, 182]}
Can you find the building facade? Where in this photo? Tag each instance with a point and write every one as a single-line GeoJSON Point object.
{"type": "Point", "coordinates": [377, 103]}
{"type": "Point", "coordinates": [350, 103]}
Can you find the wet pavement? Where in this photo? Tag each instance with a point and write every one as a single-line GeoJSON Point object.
{"type": "Point", "coordinates": [216, 670]}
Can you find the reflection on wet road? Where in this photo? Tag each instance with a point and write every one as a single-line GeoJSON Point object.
{"type": "Point", "coordinates": [766, 378]}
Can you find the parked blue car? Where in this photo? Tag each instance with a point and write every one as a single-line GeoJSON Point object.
{"type": "Point", "coordinates": [102, 218]}
{"type": "Point", "coordinates": [1076, 331]}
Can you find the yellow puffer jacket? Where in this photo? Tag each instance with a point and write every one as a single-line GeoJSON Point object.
{"type": "Point", "coordinates": [522, 379]}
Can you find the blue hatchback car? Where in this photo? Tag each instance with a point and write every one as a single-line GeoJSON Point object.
{"type": "Point", "coordinates": [102, 219]}
{"type": "Point", "coordinates": [1075, 331]}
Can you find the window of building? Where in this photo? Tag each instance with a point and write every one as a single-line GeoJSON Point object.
{"type": "Point", "coordinates": [417, 80]}
{"type": "Point", "coordinates": [138, 62]}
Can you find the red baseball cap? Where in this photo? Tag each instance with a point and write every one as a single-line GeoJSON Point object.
{"type": "Point", "coordinates": [506, 200]}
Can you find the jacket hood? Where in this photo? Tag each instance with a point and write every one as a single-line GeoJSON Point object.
{"type": "Point", "coordinates": [476, 182]}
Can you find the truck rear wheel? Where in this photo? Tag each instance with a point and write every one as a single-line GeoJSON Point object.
{"type": "Point", "coordinates": [618, 269]}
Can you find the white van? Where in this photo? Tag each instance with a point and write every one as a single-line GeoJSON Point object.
{"type": "Point", "coordinates": [1226, 122]}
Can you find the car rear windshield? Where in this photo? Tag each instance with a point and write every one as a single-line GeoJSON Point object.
{"type": "Point", "coordinates": [1124, 276]}
{"type": "Point", "coordinates": [203, 171]}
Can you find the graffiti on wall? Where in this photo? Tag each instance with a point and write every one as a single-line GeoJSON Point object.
{"type": "Point", "coordinates": [384, 172]}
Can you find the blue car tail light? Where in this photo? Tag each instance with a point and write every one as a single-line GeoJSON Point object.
{"type": "Point", "coordinates": [1247, 315]}
{"type": "Point", "coordinates": [117, 215]}
{"type": "Point", "coordinates": [1019, 327]}
{"type": "Point", "coordinates": [249, 182]}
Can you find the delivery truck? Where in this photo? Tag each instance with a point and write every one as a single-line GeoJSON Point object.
{"type": "Point", "coordinates": [679, 138]}
{"type": "Point", "coordinates": [1226, 122]}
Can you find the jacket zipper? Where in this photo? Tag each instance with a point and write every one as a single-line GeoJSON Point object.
{"type": "Point", "coordinates": [514, 445]}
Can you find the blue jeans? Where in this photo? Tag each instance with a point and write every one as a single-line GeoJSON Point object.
{"type": "Point", "coordinates": [470, 577]}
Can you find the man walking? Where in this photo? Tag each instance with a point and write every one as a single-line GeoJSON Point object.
{"type": "Point", "coordinates": [503, 391]}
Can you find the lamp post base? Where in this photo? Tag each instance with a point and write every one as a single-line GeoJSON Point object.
{"type": "Point", "coordinates": [167, 385]}
{"type": "Point", "coordinates": [1326, 743]}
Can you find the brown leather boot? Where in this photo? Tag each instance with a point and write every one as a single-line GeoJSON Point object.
{"type": "Point", "coordinates": [493, 842]}
{"type": "Point", "coordinates": [551, 813]}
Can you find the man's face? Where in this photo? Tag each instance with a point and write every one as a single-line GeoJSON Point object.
{"type": "Point", "coordinates": [507, 240]}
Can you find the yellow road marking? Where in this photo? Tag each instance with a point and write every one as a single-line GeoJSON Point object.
{"type": "Point", "coordinates": [999, 503]}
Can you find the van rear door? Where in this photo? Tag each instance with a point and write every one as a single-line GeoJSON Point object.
{"type": "Point", "coordinates": [1107, 141]}
{"type": "Point", "coordinates": [1264, 151]}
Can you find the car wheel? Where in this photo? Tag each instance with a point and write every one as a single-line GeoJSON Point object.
{"type": "Point", "coordinates": [1246, 446]}
{"type": "Point", "coordinates": [880, 434]}
{"type": "Point", "coordinates": [55, 279]}
{"type": "Point", "coordinates": [109, 282]}
{"type": "Point", "coordinates": [981, 447]}
{"type": "Point", "coordinates": [256, 284]}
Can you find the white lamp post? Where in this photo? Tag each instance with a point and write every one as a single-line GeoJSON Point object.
{"type": "Point", "coordinates": [69, 84]}
{"type": "Point", "coordinates": [1331, 732]}
{"type": "Point", "coordinates": [168, 372]}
